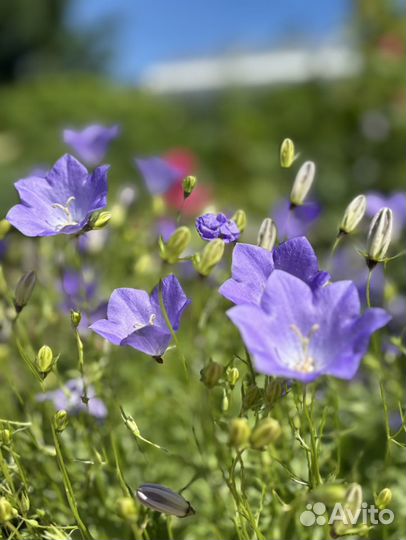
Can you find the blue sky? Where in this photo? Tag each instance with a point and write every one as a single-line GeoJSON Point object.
{"type": "Point", "coordinates": [149, 31]}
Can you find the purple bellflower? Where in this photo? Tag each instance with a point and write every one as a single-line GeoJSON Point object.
{"type": "Point", "coordinates": [396, 202]}
{"type": "Point", "coordinates": [159, 175]}
{"type": "Point", "coordinates": [134, 318]}
{"type": "Point", "coordinates": [299, 333]}
{"type": "Point", "coordinates": [62, 202]}
{"type": "Point", "coordinates": [211, 226]}
{"type": "Point", "coordinates": [91, 144]}
{"type": "Point", "coordinates": [252, 266]}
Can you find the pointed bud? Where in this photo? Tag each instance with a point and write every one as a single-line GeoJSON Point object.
{"type": "Point", "coordinates": [25, 502]}
{"type": "Point", "coordinates": [239, 432]}
{"type": "Point", "coordinates": [162, 499]}
{"type": "Point", "coordinates": [379, 236]}
{"type": "Point", "coordinates": [210, 256]}
{"type": "Point", "coordinates": [188, 184]}
{"type": "Point", "coordinates": [5, 437]}
{"type": "Point", "coordinates": [383, 499]}
{"type": "Point", "coordinates": [176, 245]}
{"type": "Point", "coordinates": [287, 153]}
{"type": "Point", "coordinates": [127, 509]}
{"type": "Point", "coordinates": [99, 220]}
{"type": "Point", "coordinates": [61, 420]}
{"type": "Point", "coordinates": [211, 374]}
{"type": "Point", "coordinates": [232, 376]}
{"type": "Point", "coordinates": [45, 360]}
{"type": "Point", "coordinates": [267, 234]}
{"type": "Point", "coordinates": [266, 432]}
{"type": "Point", "coordinates": [131, 425]}
{"type": "Point", "coordinates": [75, 317]}
{"type": "Point", "coordinates": [5, 226]}
{"type": "Point", "coordinates": [353, 214]}
{"type": "Point", "coordinates": [240, 219]}
{"type": "Point", "coordinates": [302, 183]}
{"type": "Point", "coordinates": [23, 290]}
{"type": "Point", "coordinates": [7, 511]}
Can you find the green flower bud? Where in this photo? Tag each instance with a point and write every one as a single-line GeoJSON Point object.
{"type": "Point", "coordinates": [7, 512]}
{"type": "Point", "coordinates": [188, 184]}
{"type": "Point", "coordinates": [266, 432]}
{"type": "Point", "coordinates": [176, 245]}
{"type": "Point", "coordinates": [127, 509]}
{"type": "Point", "coordinates": [239, 432]}
{"type": "Point", "coordinates": [253, 397]}
{"type": "Point", "coordinates": [379, 236]}
{"type": "Point", "coordinates": [287, 153]}
{"type": "Point", "coordinates": [75, 317]}
{"type": "Point", "coordinates": [352, 503]}
{"type": "Point", "coordinates": [99, 220]}
{"type": "Point", "coordinates": [210, 256]}
{"type": "Point", "coordinates": [211, 374]}
{"type": "Point", "coordinates": [5, 226]}
{"type": "Point", "coordinates": [162, 499]}
{"type": "Point", "coordinates": [329, 493]}
{"type": "Point", "coordinates": [240, 218]}
{"type": "Point", "coordinates": [25, 502]}
{"type": "Point", "coordinates": [61, 420]}
{"type": "Point", "coordinates": [302, 183]}
{"type": "Point", "coordinates": [353, 214]}
{"type": "Point", "coordinates": [5, 437]}
{"type": "Point", "coordinates": [23, 290]}
{"type": "Point", "coordinates": [383, 499]}
{"type": "Point", "coordinates": [131, 425]}
{"type": "Point", "coordinates": [225, 402]}
{"type": "Point", "coordinates": [267, 234]}
{"type": "Point", "coordinates": [232, 376]}
{"type": "Point", "coordinates": [45, 360]}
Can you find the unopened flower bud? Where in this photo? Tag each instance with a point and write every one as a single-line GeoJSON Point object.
{"type": "Point", "coordinates": [239, 432]}
{"type": "Point", "coordinates": [240, 219]}
{"type": "Point", "coordinates": [127, 509]}
{"type": "Point", "coordinates": [210, 256]}
{"type": "Point", "coordinates": [23, 290]}
{"type": "Point", "coordinates": [75, 317]}
{"type": "Point", "coordinates": [383, 499]}
{"type": "Point", "coordinates": [131, 425]}
{"type": "Point", "coordinates": [7, 511]}
{"type": "Point", "coordinates": [164, 500]}
{"type": "Point", "coordinates": [4, 228]}
{"type": "Point", "coordinates": [176, 245]}
{"type": "Point", "coordinates": [352, 503]}
{"type": "Point", "coordinates": [379, 236]}
{"type": "Point", "coordinates": [232, 376]}
{"type": "Point", "coordinates": [99, 220]}
{"type": "Point", "coordinates": [287, 153]}
{"type": "Point", "coordinates": [44, 360]}
{"type": "Point", "coordinates": [329, 494]}
{"type": "Point", "coordinates": [211, 374]}
{"type": "Point", "coordinates": [225, 402]}
{"type": "Point", "coordinates": [188, 184]}
{"type": "Point", "coordinates": [5, 437]}
{"type": "Point", "coordinates": [302, 183]}
{"type": "Point", "coordinates": [61, 420]}
{"type": "Point", "coordinates": [266, 432]}
{"type": "Point", "coordinates": [253, 397]}
{"type": "Point", "coordinates": [267, 234]}
{"type": "Point", "coordinates": [25, 502]}
{"type": "Point", "coordinates": [353, 214]}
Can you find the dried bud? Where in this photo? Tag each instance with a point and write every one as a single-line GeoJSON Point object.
{"type": "Point", "coordinates": [75, 317]}
{"type": "Point", "coordinates": [5, 226]}
{"type": "Point", "coordinates": [99, 220]}
{"type": "Point", "coordinates": [302, 183]}
{"type": "Point", "coordinates": [239, 432]}
{"type": "Point", "coordinates": [7, 512]}
{"type": "Point", "coordinates": [176, 245]}
{"type": "Point", "coordinates": [61, 420]}
{"type": "Point", "coordinates": [240, 219]}
{"type": "Point", "coordinates": [273, 392]}
{"type": "Point", "coordinates": [267, 234]}
{"type": "Point", "coordinates": [379, 236]}
{"type": "Point", "coordinates": [232, 376]}
{"type": "Point", "coordinates": [211, 374]}
{"type": "Point", "coordinates": [5, 437]}
{"type": "Point", "coordinates": [45, 360]}
{"type": "Point", "coordinates": [253, 397]}
{"type": "Point", "coordinates": [210, 256]}
{"type": "Point", "coordinates": [188, 184]}
{"type": "Point", "coordinates": [23, 290]}
{"type": "Point", "coordinates": [162, 499]}
{"type": "Point", "coordinates": [353, 214]}
{"type": "Point", "coordinates": [287, 153]}
{"type": "Point", "coordinates": [383, 499]}
{"type": "Point", "coordinates": [127, 509]}
{"type": "Point", "coordinates": [266, 432]}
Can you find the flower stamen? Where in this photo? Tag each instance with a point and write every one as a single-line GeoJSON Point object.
{"type": "Point", "coordinates": [67, 211]}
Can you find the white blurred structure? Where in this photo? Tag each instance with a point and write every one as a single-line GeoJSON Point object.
{"type": "Point", "coordinates": [255, 69]}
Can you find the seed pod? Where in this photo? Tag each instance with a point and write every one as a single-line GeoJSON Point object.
{"type": "Point", "coordinates": [287, 153]}
{"type": "Point", "coordinates": [61, 420]}
{"type": "Point", "coordinates": [164, 500]}
{"type": "Point", "coordinates": [239, 432]}
{"type": "Point", "coordinates": [232, 376]}
{"type": "Point", "coordinates": [176, 245]}
{"type": "Point", "coordinates": [383, 499]}
{"type": "Point", "coordinates": [210, 256]}
{"type": "Point", "coordinates": [45, 360]}
{"type": "Point", "coordinates": [353, 214]}
{"type": "Point", "coordinates": [211, 374]}
{"type": "Point", "coordinates": [240, 219]}
{"type": "Point", "coordinates": [302, 183]}
{"type": "Point", "coordinates": [99, 220]}
{"type": "Point", "coordinates": [266, 432]}
{"type": "Point", "coordinates": [7, 511]}
{"type": "Point", "coordinates": [188, 184]}
{"type": "Point", "coordinates": [23, 290]}
{"type": "Point", "coordinates": [127, 509]}
{"type": "Point", "coordinates": [267, 234]}
{"type": "Point", "coordinates": [379, 236]}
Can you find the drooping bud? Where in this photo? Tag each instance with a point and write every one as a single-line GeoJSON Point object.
{"type": "Point", "coordinates": [23, 290]}
{"type": "Point", "coordinates": [211, 374]}
{"type": "Point", "coordinates": [5, 437]}
{"type": "Point", "coordinates": [353, 214]}
{"type": "Point", "coordinates": [266, 432]}
{"type": "Point", "coordinates": [99, 220]}
{"type": "Point", "coordinates": [75, 317]}
{"type": "Point", "coordinates": [267, 234]}
{"type": "Point", "coordinates": [379, 236]}
{"type": "Point", "coordinates": [127, 509]}
{"type": "Point", "coordinates": [232, 376]}
{"type": "Point", "coordinates": [45, 360]}
{"type": "Point", "coordinates": [176, 245]}
{"type": "Point", "coordinates": [240, 219]}
{"type": "Point", "coordinates": [302, 183]}
{"type": "Point", "coordinates": [287, 153]}
{"type": "Point", "coordinates": [383, 499]}
{"type": "Point", "coordinates": [210, 256]}
{"type": "Point", "coordinates": [5, 226]}
{"type": "Point", "coordinates": [188, 184]}
{"type": "Point", "coordinates": [7, 511]}
{"type": "Point", "coordinates": [61, 420]}
{"type": "Point", "coordinates": [239, 432]}
{"type": "Point", "coordinates": [162, 499]}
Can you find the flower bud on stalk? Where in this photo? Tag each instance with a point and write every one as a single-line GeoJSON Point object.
{"type": "Point", "coordinates": [266, 432]}
{"type": "Point", "coordinates": [287, 153]}
{"type": "Point", "coordinates": [267, 234]}
{"type": "Point", "coordinates": [5, 437]}
{"type": "Point", "coordinates": [383, 499]}
{"type": "Point", "coordinates": [210, 256]}
{"type": "Point", "coordinates": [352, 503]}
{"type": "Point", "coordinates": [239, 432]}
{"type": "Point", "coordinates": [75, 317]}
{"type": "Point", "coordinates": [240, 219]}
{"type": "Point", "coordinates": [176, 245]}
{"type": "Point", "coordinates": [188, 184]}
{"type": "Point", "coordinates": [23, 290]}
{"type": "Point", "coordinates": [127, 509]}
{"type": "Point", "coordinates": [353, 214]}
{"type": "Point", "coordinates": [162, 499]}
{"type": "Point", "coordinates": [61, 420]}
{"type": "Point", "coordinates": [211, 374]}
{"type": "Point", "coordinates": [7, 511]}
{"type": "Point", "coordinates": [379, 237]}
{"type": "Point", "coordinates": [232, 376]}
{"type": "Point", "coordinates": [99, 220]}
{"type": "Point", "coordinates": [253, 397]}
{"type": "Point", "coordinates": [45, 360]}
{"type": "Point", "coordinates": [302, 183]}
{"type": "Point", "coordinates": [225, 402]}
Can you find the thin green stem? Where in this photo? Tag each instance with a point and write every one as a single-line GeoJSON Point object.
{"type": "Point", "coordinates": [368, 289]}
